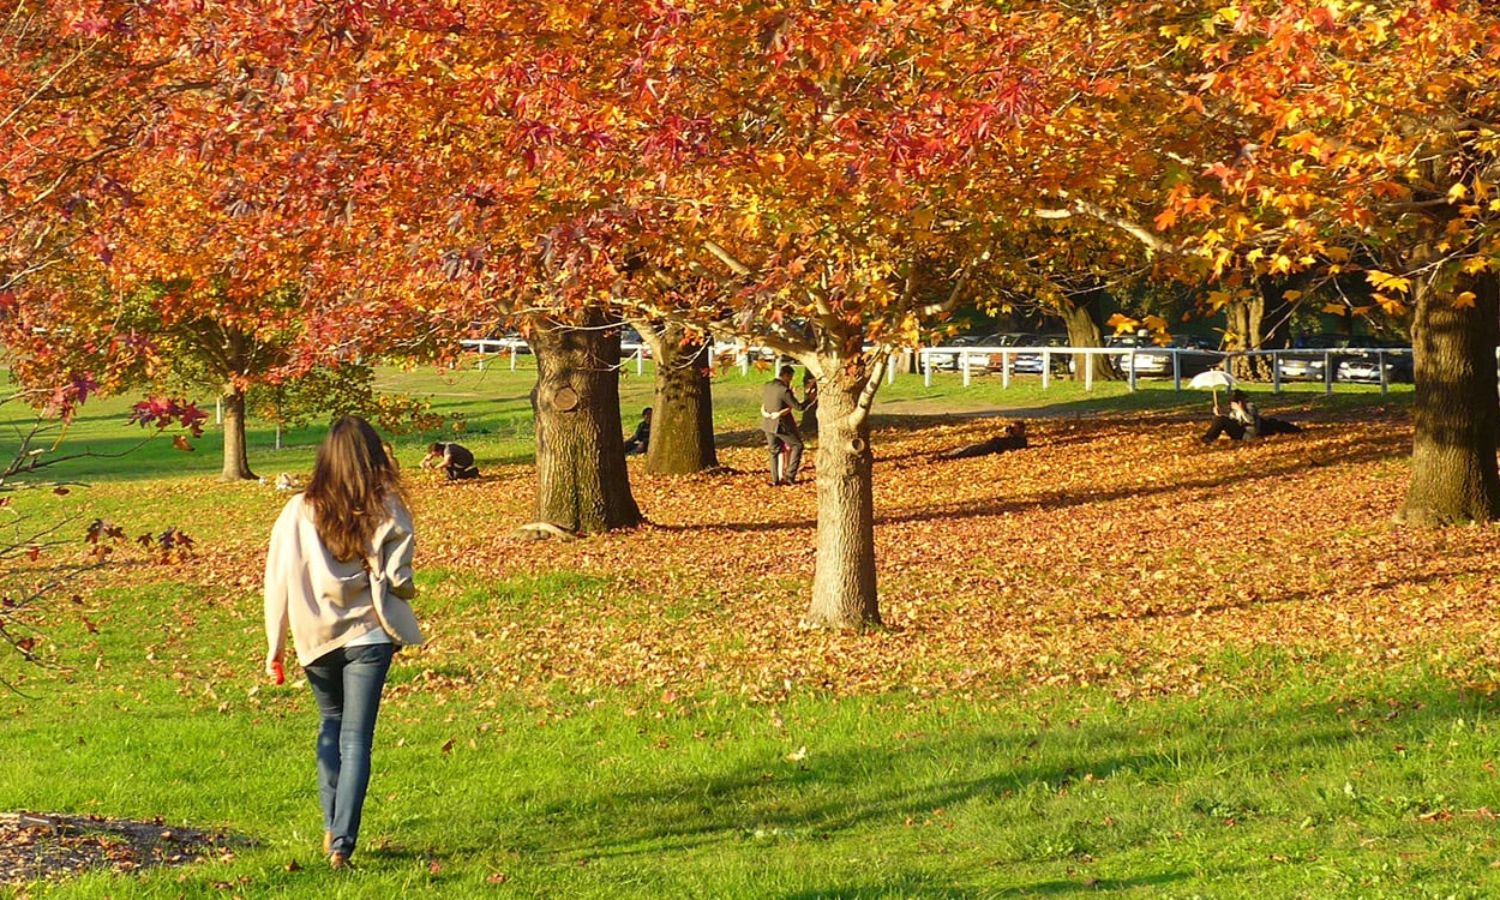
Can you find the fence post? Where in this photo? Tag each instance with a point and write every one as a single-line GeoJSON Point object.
{"type": "Point", "coordinates": [278, 435]}
{"type": "Point", "coordinates": [1132, 370]}
{"type": "Point", "coordinates": [1327, 372]}
{"type": "Point", "coordinates": [1088, 371]}
{"type": "Point", "coordinates": [1046, 368]}
{"type": "Point", "coordinates": [744, 353]}
{"type": "Point", "coordinates": [1276, 371]}
{"type": "Point", "coordinates": [890, 368]}
{"type": "Point", "coordinates": [926, 368]}
{"type": "Point", "coordinates": [640, 360]}
{"type": "Point", "coordinates": [1004, 369]}
{"type": "Point", "coordinates": [219, 411]}
{"type": "Point", "coordinates": [963, 359]}
{"type": "Point", "coordinates": [1176, 372]}
{"type": "Point", "coordinates": [1385, 384]}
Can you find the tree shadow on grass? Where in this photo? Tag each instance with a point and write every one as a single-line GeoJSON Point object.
{"type": "Point", "coordinates": [1370, 451]}
{"type": "Point", "coordinates": [917, 885]}
{"type": "Point", "coordinates": [864, 789]}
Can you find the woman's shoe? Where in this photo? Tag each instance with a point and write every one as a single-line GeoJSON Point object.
{"type": "Point", "coordinates": [337, 860]}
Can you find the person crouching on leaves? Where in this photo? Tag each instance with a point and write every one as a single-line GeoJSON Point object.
{"type": "Point", "coordinates": [639, 442]}
{"type": "Point", "coordinates": [338, 575]}
{"type": "Point", "coordinates": [456, 459]}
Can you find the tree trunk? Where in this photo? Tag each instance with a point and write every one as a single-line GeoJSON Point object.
{"type": "Point", "coordinates": [682, 419]}
{"type": "Point", "coordinates": [844, 579]}
{"type": "Point", "coordinates": [236, 464]}
{"type": "Point", "coordinates": [1245, 320]}
{"type": "Point", "coordinates": [1083, 331]}
{"type": "Point", "coordinates": [582, 484]}
{"type": "Point", "coordinates": [1457, 416]}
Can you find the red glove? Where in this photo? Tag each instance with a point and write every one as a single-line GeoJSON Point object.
{"type": "Point", "coordinates": [277, 668]}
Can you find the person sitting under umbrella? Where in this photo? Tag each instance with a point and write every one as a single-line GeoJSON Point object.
{"type": "Point", "coordinates": [1243, 421]}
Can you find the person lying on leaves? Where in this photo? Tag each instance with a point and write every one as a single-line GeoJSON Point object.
{"type": "Point", "coordinates": [1012, 438]}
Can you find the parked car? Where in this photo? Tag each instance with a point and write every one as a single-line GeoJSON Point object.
{"type": "Point", "coordinates": [1309, 365]}
{"type": "Point", "coordinates": [1123, 341]}
{"type": "Point", "coordinates": [1031, 363]}
{"type": "Point", "coordinates": [996, 361]}
{"type": "Point", "coordinates": [949, 355]}
{"type": "Point", "coordinates": [1365, 367]}
{"type": "Point", "coordinates": [1194, 355]}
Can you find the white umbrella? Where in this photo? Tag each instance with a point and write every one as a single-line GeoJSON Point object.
{"type": "Point", "coordinates": [1213, 379]}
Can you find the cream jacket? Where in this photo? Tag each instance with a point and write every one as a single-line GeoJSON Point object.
{"type": "Point", "coordinates": [327, 602]}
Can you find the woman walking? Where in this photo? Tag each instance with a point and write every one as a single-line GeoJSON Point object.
{"type": "Point", "coordinates": [338, 574]}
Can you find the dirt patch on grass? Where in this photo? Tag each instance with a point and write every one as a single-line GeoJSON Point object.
{"type": "Point", "coordinates": [36, 847]}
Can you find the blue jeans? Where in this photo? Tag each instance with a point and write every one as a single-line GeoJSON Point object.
{"type": "Point", "coordinates": [347, 684]}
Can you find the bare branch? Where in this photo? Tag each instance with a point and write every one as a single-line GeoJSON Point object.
{"type": "Point", "coordinates": [1152, 241]}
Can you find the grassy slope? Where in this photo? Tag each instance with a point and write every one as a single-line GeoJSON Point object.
{"type": "Point", "coordinates": [1272, 784]}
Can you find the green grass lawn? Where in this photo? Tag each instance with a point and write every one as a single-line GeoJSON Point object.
{"type": "Point", "coordinates": [494, 405]}
{"type": "Point", "coordinates": [1282, 788]}
{"type": "Point", "coordinates": [1269, 782]}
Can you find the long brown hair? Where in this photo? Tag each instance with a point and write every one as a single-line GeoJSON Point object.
{"type": "Point", "coordinates": [351, 481]}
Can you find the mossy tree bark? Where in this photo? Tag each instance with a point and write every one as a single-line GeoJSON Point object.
{"type": "Point", "coordinates": [682, 421]}
{"type": "Point", "coordinates": [582, 483]}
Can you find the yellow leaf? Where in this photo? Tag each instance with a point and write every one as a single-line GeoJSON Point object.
{"type": "Point", "coordinates": [1335, 309]}
{"type": "Point", "coordinates": [1457, 192]}
{"type": "Point", "coordinates": [1291, 296]}
{"type": "Point", "coordinates": [1465, 300]}
{"type": "Point", "coordinates": [1387, 281]}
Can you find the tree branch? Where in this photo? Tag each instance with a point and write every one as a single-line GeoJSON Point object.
{"type": "Point", "coordinates": [728, 259]}
{"type": "Point", "coordinates": [1146, 236]}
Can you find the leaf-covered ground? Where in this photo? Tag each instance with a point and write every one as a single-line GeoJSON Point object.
{"type": "Point", "coordinates": [1115, 550]}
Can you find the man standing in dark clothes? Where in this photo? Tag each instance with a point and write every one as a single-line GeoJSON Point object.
{"type": "Point", "coordinates": [777, 407]}
{"type": "Point", "coordinates": [456, 459]}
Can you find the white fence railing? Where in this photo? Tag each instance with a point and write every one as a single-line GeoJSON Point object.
{"type": "Point", "coordinates": [1326, 362]}
{"type": "Point", "coordinates": [1303, 364]}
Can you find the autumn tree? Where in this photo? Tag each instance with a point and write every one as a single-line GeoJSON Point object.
{"type": "Point", "coordinates": [1365, 138]}
{"type": "Point", "coordinates": [188, 215]}
{"type": "Point", "coordinates": [827, 186]}
{"type": "Point", "coordinates": [838, 175]}
{"type": "Point", "coordinates": [1278, 138]}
